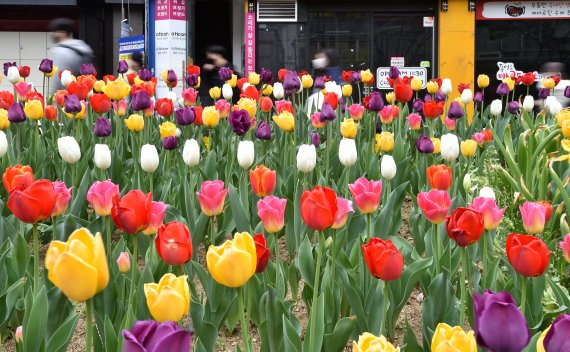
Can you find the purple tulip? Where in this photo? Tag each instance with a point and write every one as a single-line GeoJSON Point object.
{"type": "Point", "coordinates": [291, 83]}
{"type": "Point", "coordinates": [499, 324]}
{"type": "Point", "coordinates": [122, 67]}
{"type": "Point", "coordinates": [567, 92]}
{"type": "Point", "coordinates": [513, 107]}
{"type": "Point", "coordinates": [185, 116]}
{"type": "Point", "coordinates": [503, 89]}
{"type": "Point", "coordinates": [342, 102]}
{"type": "Point", "coordinates": [152, 336]}
{"type": "Point", "coordinates": [455, 110]}
{"type": "Point", "coordinates": [263, 131]}
{"type": "Point", "coordinates": [225, 73]}
{"type": "Point", "coordinates": [171, 76]}
{"type": "Point", "coordinates": [319, 82]}
{"type": "Point", "coordinates": [16, 113]}
{"type": "Point", "coordinates": [316, 139]}
{"type": "Point", "coordinates": [71, 104]}
{"type": "Point", "coordinates": [424, 144]}
{"type": "Point", "coordinates": [140, 101]}
{"type": "Point", "coordinates": [46, 66]}
{"type": "Point", "coordinates": [478, 98]}
{"type": "Point", "coordinates": [556, 339]}
{"type": "Point", "coordinates": [265, 76]}
{"type": "Point", "coordinates": [145, 75]}
{"type": "Point", "coordinates": [439, 96]}
{"type": "Point", "coordinates": [170, 142]}
{"type": "Point", "coordinates": [543, 93]}
{"type": "Point", "coordinates": [240, 121]}
{"type": "Point", "coordinates": [192, 80]}
{"type": "Point", "coordinates": [427, 97]}
{"type": "Point", "coordinates": [375, 102]}
{"type": "Point", "coordinates": [7, 65]}
{"type": "Point", "coordinates": [355, 77]}
{"type": "Point", "coordinates": [87, 69]}
{"type": "Point", "coordinates": [327, 113]}
{"type": "Point", "coordinates": [394, 72]}
{"type": "Point", "coordinates": [102, 127]}
{"type": "Point", "coordinates": [418, 105]}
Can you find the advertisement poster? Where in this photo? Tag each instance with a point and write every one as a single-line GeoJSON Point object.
{"type": "Point", "coordinates": [249, 37]}
{"type": "Point", "coordinates": [522, 10]}
{"type": "Point", "coordinates": [130, 45]}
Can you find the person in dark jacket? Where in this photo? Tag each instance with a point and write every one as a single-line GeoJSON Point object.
{"type": "Point", "coordinates": [216, 58]}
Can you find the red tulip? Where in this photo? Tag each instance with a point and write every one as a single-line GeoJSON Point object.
{"type": "Point", "coordinates": [464, 226]}
{"type": "Point", "coordinates": [212, 196]}
{"type": "Point", "coordinates": [432, 109]}
{"type": "Point", "coordinates": [548, 209]}
{"type": "Point", "coordinates": [283, 105]}
{"type": "Point", "coordinates": [79, 89]}
{"type": "Point", "coordinates": [262, 252]}
{"type": "Point", "coordinates": [173, 243]}
{"type": "Point", "coordinates": [318, 208]}
{"type": "Point", "coordinates": [383, 259]}
{"type": "Point", "coordinates": [403, 93]}
{"type": "Point", "coordinates": [100, 103]}
{"type": "Point", "coordinates": [439, 177]}
{"type": "Point", "coordinates": [281, 74]}
{"type": "Point", "coordinates": [51, 113]}
{"type": "Point", "coordinates": [17, 176]}
{"type": "Point", "coordinates": [265, 104]}
{"type": "Point", "coordinates": [332, 99]}
{"type": "Point", "coordinates": [164, 107]}
{"type": "Point", "coordinates": [462, 86]}
{"type": "Point", "coordinates": [250, 92]}
{"type": "Point", "coordinates": [527, 79]}
{"type": "Point", "coordinates": [6, 99]}
{"type": "Point", "coordinates": [33, 204]}
{"type": "Point", "coordinates": [131, 213]}
{"type": "Point", "coordinates": [528, 255]}
{"type": "Point", "coordinates": [262, 180]}
{"type": "Point", "coordinates": [24, 71]}
{"type": "Point", "coordinates": [346, 76]}
{"type": "Point", "coordinates": [366, 194]}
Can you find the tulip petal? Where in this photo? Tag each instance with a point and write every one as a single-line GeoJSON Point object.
{"type": "Point", "coordinates": [76, 278]}
{"type": "Point", "coordinates": [169, 305]}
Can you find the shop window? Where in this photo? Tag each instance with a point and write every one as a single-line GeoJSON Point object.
{"type": "Point", "coordinates": [281, 45]}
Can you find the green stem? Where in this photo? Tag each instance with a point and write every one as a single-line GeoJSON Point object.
{"type": "Point", "coordinates": [436, 253]}
{"type": "Point", "coordinates": [244, 323]}
{"type": "Point", "coordinates": [320, 248]}
{"type": "Point", "coordinates": [277, 263]}
{"type": "Point", "coordinates": [385, 300]}
{"type": "Point", "coordinates": [135, 267]}
{"type": "Point", "coordinates": [88, 325]}
{"type": "Point", "coordinates": [36, 259]}
{"type": "Point", "coordinates": [108, 236]}
{"type": "Point", "coordinates": [334, 245]}
{"type": "Point", "coordinates": [485, 254]}
{"type": "Point", "coordinates": [369, 225]}
{"type": "Point", "coordinates": [54, 228]}
{"type": "Point", "coordinates": [327, 160]}
{"type": "Point", "coordinates": [462, 286]}
{"type": "Point", "coordinates": [151, 182]}
{"type": "Point", "coordinates": [523, 294]}
{"type": "Point", "coordinates": [212, 233]}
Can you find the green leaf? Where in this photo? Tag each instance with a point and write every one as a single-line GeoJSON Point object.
{"type": "Point", "coordinates": [20, 255]}
{"type": "Point", "coordinates": [410, 340]}
{"type": "Point", "coordinates": [62, 336]}
{"type": "Point", "coordinates": [292, 340]}
{"type": "Point", "coordinates": [306, 262]}
{"type": "Point", "coordinates": [314, 339]}
{"type": "Point", "coordinates": [35, 321]}
{"type": "Point", "coordinates": [240, 215]}
{"type": "Point", "coordinates": [110, 337]}
{"type": "Point", "coordinates": [342, 331]}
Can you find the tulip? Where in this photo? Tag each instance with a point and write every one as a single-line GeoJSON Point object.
{"type": "Point", "coordinates": [347, 90]}
{"type": "Point", "coordinates": [4, 121]}
{"type": "Point", "coordinates": [263, 131]}
{"type": "Point", "coordinates": [132, 213]}
{"type": "Point", "coordinates": [34, 109]}
{"type": "Point", "coordinates": [347, 153]}
{"type": "Point", "coordinates": [271, 211]}
{"type": "Point", "coordinates": [466, 96]}
{"type": "Point", "coordinates": [491, 213]}
{"type": "Point", "coordinates": [439, 177]}
{"type": "Point", "coordinates": [374, 102]}
{"type": "Point", "coordinates": [171, 142]}
{"type": "Point", "coordinates": [464, 226]}
{"type": "Point", "coordinates": [262, 252]}
{"type": "Point", "coordinates": [503, 89]}
{"type": "Point", "coordinates": [479, 138]}
{"type": "Point", "coordinates": [455, 110]}
{"type": "Point", "coordinates": [79, 274]}
{"type": "Point", "coordinates": [424, 144]}
{"type": "Point", "coordinates": [434, 204]}
{"type": "Point", "coordinates": [157, 211]}
{"type": "Point", "coordinates": [149, 158]}
{"type": "Point", "coordinates": [319, 208]}
{"type": "Point", "coordinates": [496, 107]}
{"type": "Point", "coordinates": [13, 75]}
{"type": "Point", "coordinates": [556, 339]}
{"type": "Point", "coordinates": [447, 338]}
{"type": "Point", "coordinates": [316, 139]}
{"type": "Point", "coordinates": [383, 259]}
{"type": "Point", "coordinates": [433, 109]}
{"type": "Point", "coordinates": [100, 195]}
{"type": "Point", "coordinates": [19, 335]}
{"type": "Point", "coordinates": [468, 148]}
{"type": "Point", "coordinates": [467, 182]}
{"type": "Point", "coordinates": [210, 117]}
{"type": "Point", "coordinates": [356, 111]}
{"type": "Point", "coordinates": [327, 113]}
{"type": "Point", "coordinates": [543, 93]}
{"type": "Point", "coordinates": [140, 101]}
{"type": "Point", "coordinates": [528, 103]}
{"type": "Point", "coordinates": [3, 144]}
{"type": "Point", "coordinates": [403, 92]}
{"type": "Point", "coordinates": [68, 149]}
{"type": "Point", "coordinates": [555, 107]}
{"type": "Point", "coordinates": [533, 216]}
{"type": "Point", "coordinates": [33, 203]}
{"type": "Point", "coordinates": [415, 121]}
{"type": "Point", "coordinates": [278, 90]}
{"type": "Point", "coordinates": [499, 324]}
{"type": "Point", "coordinates": [63, 195]}
{"type": "Point", "coordinates": [528, 255]}
{"type": "Point", "coordinates": [16, 113]}
{"type": "Point", "coordinates": [306, 158]}
{"type": "Point", "coordinates": [102, 127]}
{"type": "Point", "coordinates": [17, 177]}
{"type": "Point", "coordinates": [46, 66]}
{"type": "Point", "coordinates": [487, 192]}
{"type": "Point", "coordinates": [191, 153]}
{"type": "Point", "coordinates": [234, 262]}
{"type": "Point", "coordinates": [370, 343]}
{"type": "Point", "coordinates": [124, 262]}
{"type": "Point", "coordinates": [366, 76]}
{"type": "Point", "coordinates": [366, 194]}
{"type": "Point", "coordinates": [245, 154]}
{"type": "Point", "coordinates": [565, 247]}
{"type": "Point", "coordinates": [167, 129]}
{"type": "Point", "coordinates": [102, 156]}
{"type": "Point", "coordinates": [449, 147]}
{"type": "Point", "coordinates": [173, 243]}
{"type": "Point", "coordinates": [150, 335]}
{"type": "Point", "coordinates": [432, 87]}
{"type": "Point", "coordinates": [212, 197]}
{"type": "Point", "coordinates": [116, 90]}
{"type": "Point", "coordinates": [169, 299]}
{"type": "Point", "coordinates": [348, 128]}
{"type": "Point", "coordinates": [446, 86]}
{"type": "Point", "coordinates": [388, 114]}
{"type": "Point", "coordinates": [262, 180]}
{"type": "Point", "coordinates": [240, 121]}
{"type": "Point", "coordinates": [388, 167]}
{"type": "Point", "coordinates": [513, 107]}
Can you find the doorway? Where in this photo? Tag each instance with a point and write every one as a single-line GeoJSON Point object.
{"type": "Point", "coordinates": [213, 26]}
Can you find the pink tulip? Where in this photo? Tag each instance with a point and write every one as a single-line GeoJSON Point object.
{"type": "Point", "coordinates": [316, 120]}
{"type": "Point", "coordinates": [491, 213]}
{"type": "Point", "coordinates": [223, 108]}
{"type": "Point", "coordinates": [533, 216]}
{"type": "Point", "coordinates": [565, 246]}
{"type": "Point", "coordinates": [149, 112]}
{"type": "Point", "coordinates": [449, 123]}
{"type": "Point", "coordinates": [415, 121]}
{"type": "Point", "coordinates": [435, 205]}
{"type": "Point", "coordinates": [189, 96]}
{"type": "Point", "coordinates": [22, 89]}
{"type": "Point", "coordinates": [19, 335]}
{"type": "Point", "coordinates": [157, 211]}
{"type": "Point", "coordinates": [388, 114]}
{"type": "Point", "coordinates": [63, 195]}
{"type": "Point", "coordinates": [271, 211]}
{"type": "Point", "coordinates": [100, 196]}
{"type": "Point", "coordinates": [343, 208]}
{"type": "Point", "coordinates": [212, 197]}
{"type": "Point", "coordinates": [366, 194]}
{"type": "Point", "coordinates": [479, 137]}
{"type": "Point", "coordinates": [124, 262]}
{"type": "Point", "coordinates": [356, 111]}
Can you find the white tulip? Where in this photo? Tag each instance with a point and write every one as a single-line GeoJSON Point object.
{"type": "Point", "coordinates": [3, 144]}
{"type": "Point", "coordinates": [191, 152]}
{"type": "Point", "coordinates": [496, 107]}
{"type": "Point", "coordinates": [278, 91]}
{"type": "Point", "coordinates": [388, 167]}
{"type": "Point", "coordinates": [528, 103]}
{"type": "Point", "coordinates": [466, 96]}
{"type": "Point", "coordinates": [549, 101]}
{"type": "Point", "coordinates": [306, 157]}
{"type": "Point", "coordinates": [180, 102]}
{"type": "Point", "coordinates": [68, 149]}
{"type": "Point", "coordinates": [102, 157]}
{"type": "Point", "coordinates": [244, 86]}
{"type": "Point", "coordinates": [13, 75]}
{"type": "Point", "coordinates": [467, 182]}
{"type": "Point", "coordinates": [66, 78]}
{"type": "Point", "coordinates": [178, 132]}
{"type": "Point", "coordinates": [446, 87]}
{"type": "Point", "coordinates": [347, 153]}
{"type": "Point", "coordinates": [149, 158]}
{"type": "Point", "coordinates": [555, 107]}
{"type": "Point", "coordinates": [172, 96]}
{"type": "Point", "coordinates": [332, 87]}
{"type": "Point", "coordinates": [449, 147]}
{"type": "Point", "coordinates": [245, 154]}
{"type": "Point", "coordinates": [487, 192]}
{"type": "Point", "coordinates": [227, 91]}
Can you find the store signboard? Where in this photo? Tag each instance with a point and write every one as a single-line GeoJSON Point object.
{"type": "Point", "coordinates": [249, 37]}
{"type": "Point", "coordinates": [130, 45]}
{"type": "Point", "coordinates": [169, 41]}
{"type": "Point", "coordinates": [428, 21]}
{"type": "Point", "coordinates": [382, 75]}
{"type": "Point", "coordinates": [397, 61]}
{"type": "Point", "coordinates": [522, 10]}
{"type": "Point", "coordinates": [507, 69]}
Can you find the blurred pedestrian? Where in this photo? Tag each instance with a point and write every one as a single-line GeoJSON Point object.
{"type": "Point", "coordinates": [326, 63]}
{"type": "Point", "coordinates": [216, 58]}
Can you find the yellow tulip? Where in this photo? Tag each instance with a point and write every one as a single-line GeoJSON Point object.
{"type": "Point", "coordinates": [548, 83]}
{"type": "Point", "coordinates": [432, 87]}
{"type": "Point", "coordinates": [248, 105]}
{"type": "Point", "coordinates": [253, 78]}
{"type": "Point", "coordinates": [210, 116]}
{"type": "Point", "coordinates": [347, 90]}
{"type": "Point", "coordinates": [562, 116]}
{"type": "Point", "coordinates": [135, 123]}
{"type": "Point", "coordinates": [566, 145]}
{"type": "Point", "coordinates": [53, 72]}
{"type": "Point", "coordinates": [164, 76]}
{"type": "Point", "coordinates": [307, 81]}
{"type": "Point", "coordinates": [138, 80]}
{"type": "Point", "coordinates": [390, 98]}
{"type": "Point", "coordinates": [510, 83]}
{"type": "Point", "coordinates": [468, 148]}
{"type": "Point", "coordinates": [215, 92]}
{"type": "Point", "coordinates": [117, 89]}
{"type": "Point", "coordinates": [34, 109]}
{"type": "Point", "coordinates": [206, 140]}
{"type": "Point", "coordinates": [4, 122]}
{"type": "Point", "coordinates": [482, 81]}
{"type": "Point", "coordinates": [452, 339]}
{"type": "Point", "coordinates": [232, 81]}
{"type": "Point", "coordinates": [267, 89]}
{"type": "Point", "coordinates": [80, 115]}
{"type": "Point", "coordinates": [98, 86]}
{"type": "Point", "coordinates": [436, 145]}
{"type": "Point", "coordinates": [566, 129]}
{"type": "Point", "coordinates": [366, 76]}
{"type": "Point", "coordinates": [348, 128]}
{"type": "Point", "coordinates": [78, 267]}
{"type": "Point", "coordinates": [169, 299]}
{"type": "Point", "coordinates": [416, 83]}
{"type": "Point", "coordinates": [384, 142]}
{"type": "Point", "coordinates": [371, 343]}
{"type": "Point", "coordinates": [540, 341]}
{"type": "Point", "coordinates": [233, 263]}
{"type": "Point", "coordinates": [167, 129]}
{"type": "Point", "coordinates": [285, 121]}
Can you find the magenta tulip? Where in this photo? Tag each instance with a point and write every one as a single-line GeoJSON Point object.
{"type": "Point", "coordinates": [271, 210]}
{"type": "Point", "coordinates": [344, 207]}
{"type": "Point", "coordinates": [157, 211]}
{"type": "Point", "coordinates": [63, 195]}
{"type": "Point", "coordinates": [211, 197]}
{"type": "Point", "coordinates": [366, 194]}
{"type": "Point", "coordinates": [565, 246]}
{"type": "Point", "coordinates": [491, 213]}
{"type": "Point", "coordinates": [100, 196]}
{"type": "Point", "coordinates": [533, 216]}
{"type": "Point", "coordinates": [435, 205]}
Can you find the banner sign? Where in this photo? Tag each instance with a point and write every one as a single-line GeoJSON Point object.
{"type": "Point", "coordinates": [169, 42]}
{"type": "Point", "coordinates": [130, 45]}
{"type": "Point", "coordinates": [507, 69]}
{"type": "Point", "coordinates": [522, 10]}
{"type": "Point", "coordinates": [249, 37]}
{"type": "Point", "coordinates": [382, 75]}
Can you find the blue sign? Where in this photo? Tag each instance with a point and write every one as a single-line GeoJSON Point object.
{"type": "Point", "coordinates": [129, 45]}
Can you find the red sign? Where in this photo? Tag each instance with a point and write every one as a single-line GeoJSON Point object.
{"type": "Point", "coordinates": [170, 10]}
{"type": "Point", "coordinates": [250, 37]}
{"type": "Point", "coordinates": [522, 10]}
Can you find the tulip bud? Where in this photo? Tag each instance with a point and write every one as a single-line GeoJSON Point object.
{"type": "Point", "coordinates": [487, 192]}
{"type": "Point", "coordinates": [66, 78]}
{"type": "Point", "coordinates": [69, 149]}
{"type": "Point", "coordinates": [466, 96]}
{"type": "Point", "coordinates": [328, 242]}
{"type": "Point", "coordinates": [278, 91]}
{"type": "Point", "coordinates": [245, 154]}
{"type": "Point", "coordinates": [496, 107]}
{"type": "Point", "coordinates": [446, 86]}
{"type": "Point", "coordinates": [467, 182]}
{"type": "Point", "coordinates": [3, 144]}
{"type": "Point", "coordinates": [347, 153]}
{"type": "Point", "coordinates": [306, 158]}
{"type": "Point", "coordinates": [449, 147]}
{"type": "Point", "coordinates": [149, 158]}
{"type": "Point", "coordinates": [191, 153]}
{"type": "Point", "coordinates": [13, 75]}
{"type": "Point", "coordinates": [528, 103]}
{"type": "Point", "coordinates": [388, 167]}
{"type": "Point", "coordinates": [227, 91]}
{"type": "Point", "coordinates": [124, 262]}
{"type": "Point", "coordinates": [102, 156]}
{"type": "Point", "coordinates": [564, 228]}
{"type": "Point", "coordinates": [19, 334]}
{"type": "Point", "coordinates": [555, 107]}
